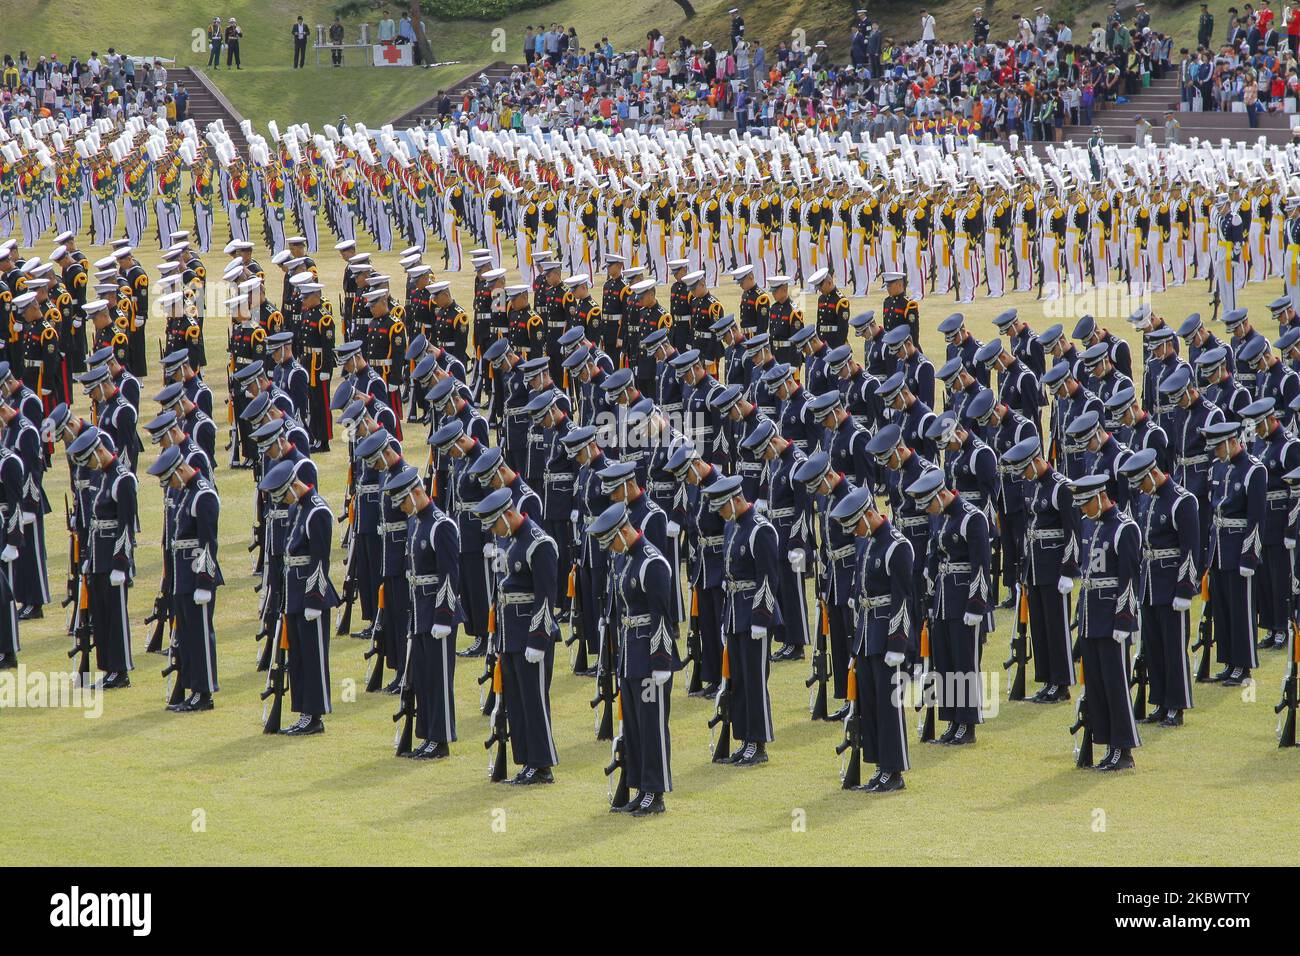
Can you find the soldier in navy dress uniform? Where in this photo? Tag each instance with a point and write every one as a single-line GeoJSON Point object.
{"type": "Point", "coordinates": [1278, 451]}
{"type": "Point", "coordinates": [557, 475]}
{"type": "Point", "coordinates": [812, 359]}
{"type": "Point", "coordinates": [909, 413]}
{"type": "Point", "coordinates": [704, 425]}
{"type": "Point", "coordinates": [509, 396]}
{"type": "Point", "coordinates": [29, 578]}
{"type": "Point", "coordinates": [875, 357]}
{"type": "Point", "coordinates": [647, 656]}
{"type": "Point", "coordinates": [1018, 386]}
{"type": "Point", "coordinates": [1199, 339]}
{"type": "Point", "coordinates": [1105, 454]}
{"type": "Point", "coordinates": [901, 466]}
{"type": "Point", "coordinates": [1072, 400]}
{"type": "Point", "coordinates": [970, 466]}
{"type": "Point", "coordinates": [308, 595]}
{"type": "Point", "coordinates": [288, 376]}
{"type": "Point", "coordinates": [1049, 565]}
{"type": "Point", "coordinates": [705, 535]}
{"type": "Point", "coordinates": [1090, 333]}
{"type": "Point", "coordinates": [194, 575]}
{"type": "Point", "coordinates": [959, 387]}
{"type": "Point", "coordinates": [882, 639]}
{"type": "Point", "coordinates": [752, 610]}
{"type": "Point", "coordinates": [1273, 378]}
{"type": "Point", "coordinates": [1238, 506]}
{"type": "Point", "coordinates": [918, 371]}
{"type": "Point", "coordinates": [1022, 342]}
{"type": "Point", "coordinates": [529, 574]}
{"type": "Point", "coordinates": [960, 609]}
{"type": "Point", "coordinates": [796, 423]}
{"type": "Point", "coordinates": [758, 355]}
{"type": "Point", "coordinates": [1191, 414]}
{"type": "Point", "coordinates": [107, 560]}
{"type": "Point", "coordinates": [1139, 426]}
{"type": "Point", "coordinates": [1222, 389]}
{"type": "Point", "coordinates": [1241, 333]}
{"type": "Point", "coordinates": [1002, 429]}
{"type": "Point", "coordinates": [462, 447]}
{"type": "Point", "coordinates": [433, 577]}
{"type": "Point", "coordinates": [961, 345]}
{"type": "Point", "coordinates": [790, 510]}
{"type": "Point", "coordinates": [1107, 617]}
{"type": "Point", "coordinates": [381, 454]}
{"type": "Point", "coordinates": [177, 368]}
{"type": "Point", "coordinates": [739, 418]}
{"type": "Point", "coordinates": [1169, 579]}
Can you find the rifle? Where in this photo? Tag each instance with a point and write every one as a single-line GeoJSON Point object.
{"type": "Point", "coordinates": [1139, 680]}
{"type": "Point", "coordinates": [406, 707]}
{"type": "Point", "coordinates": [603, 702]}
{"type": "Point", "coordinates": [925, 728]}
{"type": "Point", "coordinates": [1205, 634]}
{"type": "Point", "coordinates": [851, 767]}
{"type": "Point", "coordinates": [84, 635]}
{"type": "Point", "coordinates": [576, 636]}
{"type": "Point", "coordinates": [694, 647]}
{"type": "Point", "coordinates": [176, 693]}
{"type": "Point", "coordinates": [159, 617]}
{"type": "Point", "coordinates": [268, 649]}
{"type": "Point", "coordinates": [500, 729]}
{"type": "Point", "coordinates": [618, 795]}
{"type": "Point", "coordinates": [1082, 749]}
{"type": "Point", "coordinates": [489, 681]}
{"type": "Point", "coordinates": [275, 680]}
{"type": "Point", "coordinates": [1019, 649]}
{"type": "Point", "coordinates": [721, 746]}
{"type": "Point", "coordinates": [258, 542]}
{"type": "Point", "coordinates": [819, 675]}
{"type": "Point", "coordinates": [996, 567]}
{"type": "Point", "coordinates": [74, 562]}
{"type": "Point", "coordinates": [1286, 736]}
{"type": "Point", "coordinates": [349, 598]}
{"type": "Point", "coordinates": [376, 648]}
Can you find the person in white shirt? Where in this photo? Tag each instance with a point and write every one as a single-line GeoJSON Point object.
{"type": "Point", "coordinates": [927, 30]}
{"type": "Point", "coordinates": [1064, 35]}
{"type": "Point", "coordinates": [387, 29]}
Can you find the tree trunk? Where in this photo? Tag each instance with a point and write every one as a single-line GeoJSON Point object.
{"type": "Point", "coordinates": [686, 6]}
{"type": "Point", "coordinates": [425, 55]}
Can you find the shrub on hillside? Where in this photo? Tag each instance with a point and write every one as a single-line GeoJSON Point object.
{"type": "Point", "coordinates": [441, 9]}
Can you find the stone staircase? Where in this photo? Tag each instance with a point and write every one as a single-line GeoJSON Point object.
{"type": "Point", "coordinates": [207, 103]}
{"type": "Point", "coordinates": [1116, 121]}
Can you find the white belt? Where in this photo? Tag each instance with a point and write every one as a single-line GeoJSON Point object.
{"type": "Point", "coordinates": [880, 600]}
{"type": "Point", "coordinates": [296, 560]}
{"type": "Point", "coordinates": [1091, 584]}
{"type": "Point", "coordinates": [180, 544]}
{"type": "Point", "coordinates": [1160, 554]}
{"type": "Point", "coordinates": [1281, 495]}
{"type": "Point", "coordinates": [637, 620]}
{"type": "Point", "coordinates": [781, 513]}
{"type": "Point", "coordinates": [422, 579]}
{"type": "Point", "coordinates": [734, 586]}
{"type": "Point", "coordinates": [714, 541]}
{"type": "Point", "coordinates": [103, 524]}
{"type": "Point", "coordinates": [1193, 460]}
{"type": "Point", "coordinates": [388, 527]}
{"type": "Point", "coordinates": [1046, 534]}
{"type": "Point", "coordinates": [368, 489]}
{"type": "Point", "coordinates": [840, 554]}
{"type": "Point", "coordinates": [518, 597]}
{"type": "Point", "coordinates": [914, 522]}
{"type": "Point", "coordinates": [1232, 524]}
{"type": "Point", "coordinates": [953, 567]}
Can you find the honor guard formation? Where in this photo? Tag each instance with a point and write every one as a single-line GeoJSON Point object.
{"type": "Point", "coordinates": [596, 458]}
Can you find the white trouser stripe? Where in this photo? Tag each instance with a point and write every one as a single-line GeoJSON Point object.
{"type": "Point", "coordinates": [546, 710]}
{"type": "Point", "coordinates": [126, 626]}
{"type": "Point", "coordinates": [320, 655]}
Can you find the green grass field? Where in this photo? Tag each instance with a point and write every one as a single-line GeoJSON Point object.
{"type": "Point", "coordinates": [142, 786]}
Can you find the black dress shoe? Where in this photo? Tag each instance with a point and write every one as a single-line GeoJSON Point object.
{"type": "Point", "coordinates": [755, 754]}
{"type": "Point", "coordinates": [195, 703]}
{"type": "Point", "coordinates": [414, 752]}
{"type": "Point", "coordinates": [1223, 674]}
{"type": "Point", "coordinates": [31, 612]}
{"type": "Point", "coordinates": [1265, 642]}
{"type": "Point", "coordinates": [1061, 696]}
{"type": "Point", "coordinates": [8, 662]}
{"type": "Point", "coordinates": [1042, 692]}
{"type": "Point", "coordinates": [1238, 677]}
{"type": "Point", "coordinates": [630, 805]}
{"type": "Point", "coordinates": [947, 735]}
{"type": "Point", "coordinates": [313, 725]}
{"type": "Point", "coordinates": [589, 672]}
{"type": "Point", "coordinates": [364, 635]}
{"type": "Point", "coordinates": [965, 734]}
{"type": "Point", "coordinates": [890, 782]}
{"type": "Point", "coordinates": [115, 681]}
{"type": "Point", "coordinates": [735, 754]}
{"type": "Point", "coordinates": [1111, 754]}
{"type": "Point", "coordinates": [1008, 602]}
{"type": "Point", "coordinates": [1155, 716]}
{"type": "Point", "coordinates": [1122, 760]}
{"type": "Point", "coordinates": [1279, 640]}
{"type": "Point", "coordinates": [839, 714]}
{"type": "Point", "coordinates": [433, 750]}
{"type": "Point", "coordinates": [650, 804]}
{"type": "Point", "coordinates": [477, 649]}
{"type": "Point", "coordinates": [708, 690]}
{"type": "Point", "coordinates": [394, 687]}
{"type": "Point", "coordinates": [532, 776]}
{"type": "Point", "coordinates": [1174, 719]}
{"type": "Point", "coordinates": [871, 784]}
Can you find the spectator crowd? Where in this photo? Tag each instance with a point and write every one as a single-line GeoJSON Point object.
{"type": "Point", "coordinates": [1251, 68]}
{"type": "Point", "coordinates": [112, 85]}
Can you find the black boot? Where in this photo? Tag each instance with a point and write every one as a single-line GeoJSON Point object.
{"type": "Point", "coordinates": [890, 782]}
{"type": "Point", "coordinates": [651, 803]}
{"type": "Point", "coordinates": [1173, 719]}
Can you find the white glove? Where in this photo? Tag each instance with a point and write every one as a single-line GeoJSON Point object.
{"type": "Point", "coordinates": [489, 550]}
{"type": "Point", "coordinates": [798, 560]}
{"type": "Point", "coordinates": [1119, 636]}
{"type": "Point", "coordinates": [1289, 543]}
{"type": "Point", "coordinates": [1064, 585]}
{"type": "Point", "coordinates": [10, 552]}
{"type": "Point", "coordinates": [117, 578]}
{"type": "Point", "coordinates": [893, 658]}
{"type": "Point", "coordinates": [85, 566]}
{"type": "Point", "coordinates": [440, 631]}
{"type": "Point", "coordinates": [202, 596]}
{"type": "Point", "coordinates": [500, 561]}
{"type": "Point", "coordinates": [674, 529]}
{"type": "Point", "coordinates": [310, 614]}
{"type": "Point", "coordinates": [1247, 572]}
{"type": "Point", "coordinates": [1182, 604]}
{"type": "Point", "coordinates": [761, 505]}
{"type": "Point", "coordinates": [534, 655]}
{"type": "Point", "coordinates": [758, 633]}
{"type": "Point", "coordinates": [29, 518]}
{"type": "Point", "coordinates": [661, 677]}
{"type": "Point", "coordinates": [972, 620]}
{"type": "Point", "coordinates": [573, 517]}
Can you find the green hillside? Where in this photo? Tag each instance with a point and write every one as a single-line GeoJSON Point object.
{"type": "Point", "coordinates": [267, 88]}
